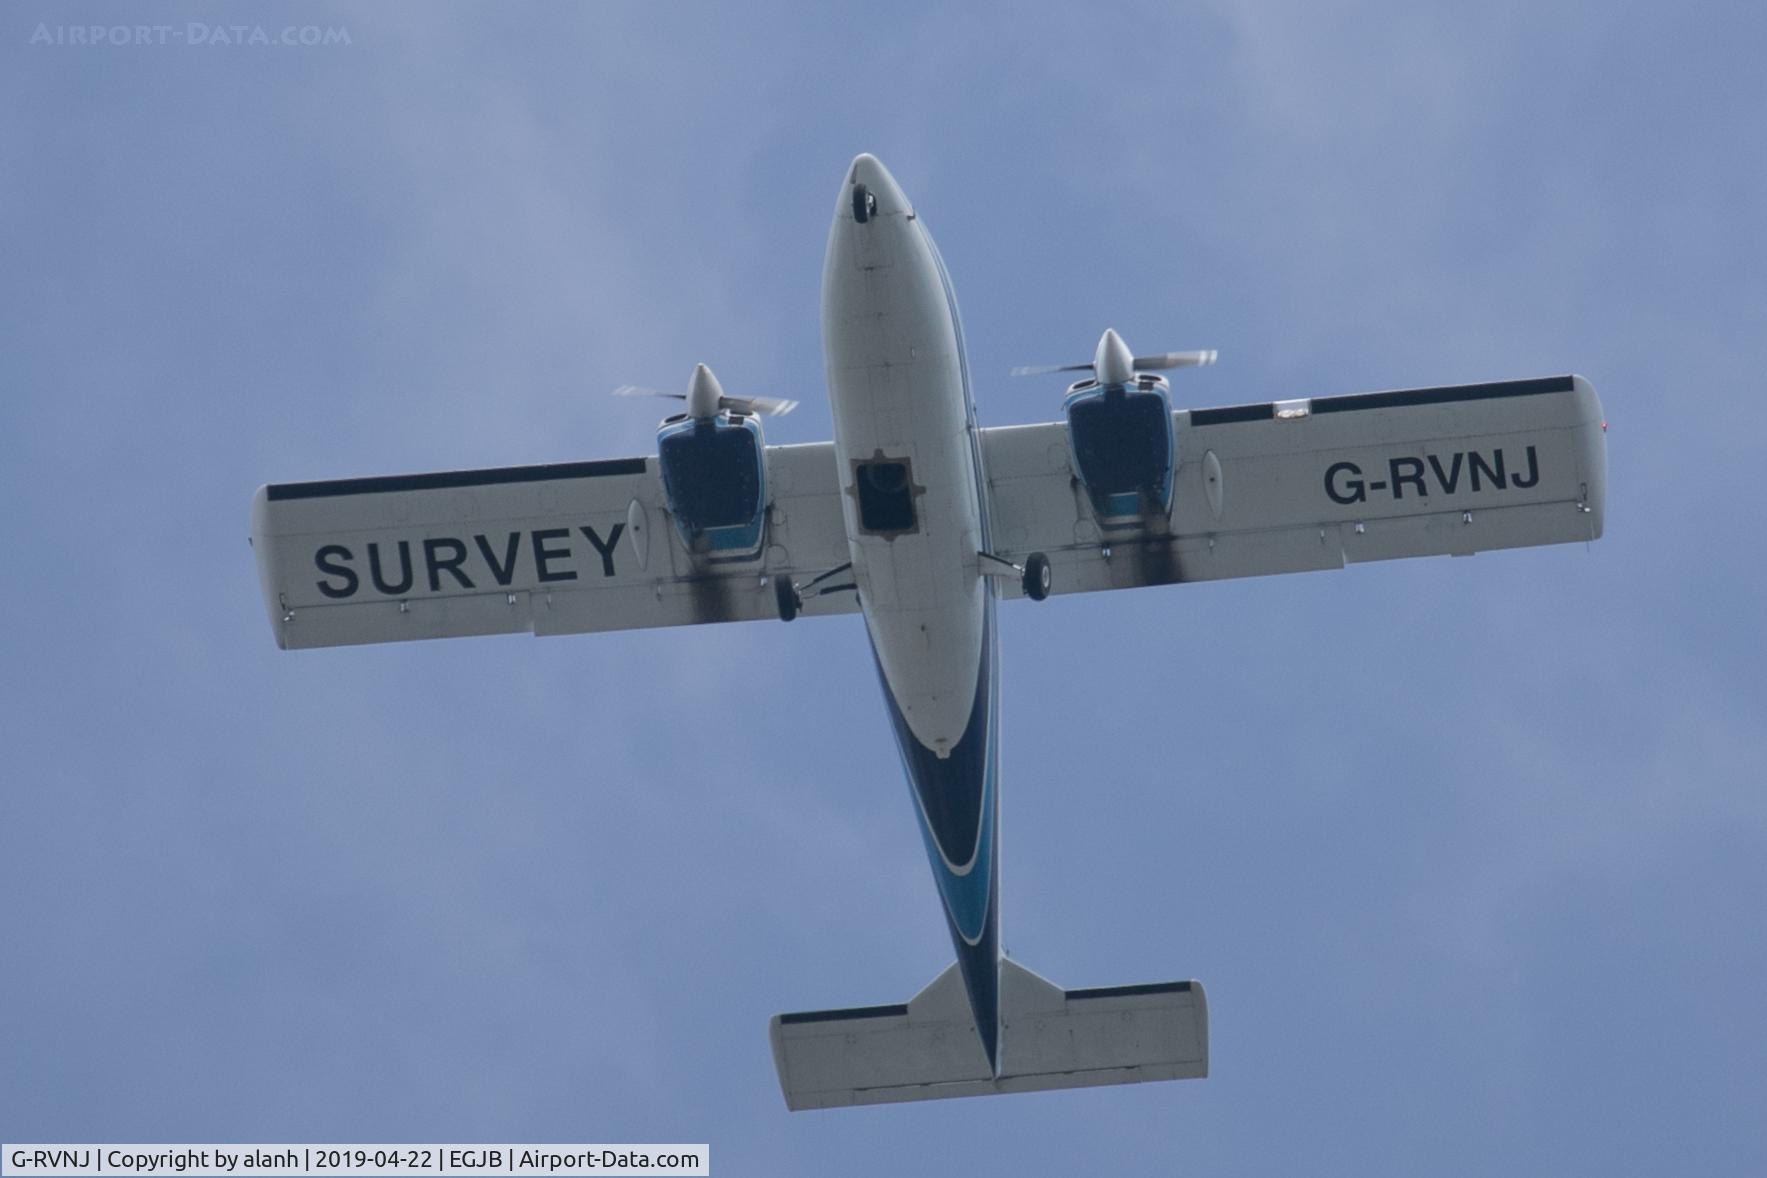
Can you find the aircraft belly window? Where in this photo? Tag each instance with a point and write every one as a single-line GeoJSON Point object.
{"type": "Point", "coordinates": [886, 492]}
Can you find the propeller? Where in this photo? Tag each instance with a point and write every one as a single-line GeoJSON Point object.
{"type": "Point", "coordinates": [705, 397]}
{"type": "Point", "coordinates": [1112, 362]}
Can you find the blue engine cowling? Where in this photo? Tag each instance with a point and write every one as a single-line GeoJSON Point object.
{"type": "Point", "coordinates": [715, 476]}
{"type": "Point", "coordinates": [1120, 437]}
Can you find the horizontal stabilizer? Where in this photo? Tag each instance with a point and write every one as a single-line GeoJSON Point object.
{"type": "Point", "coordinates": [928, 1048]}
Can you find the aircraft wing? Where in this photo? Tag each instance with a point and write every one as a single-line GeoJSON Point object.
{"type": "Point", "coordinates": [557, 549]}
{"type": "Point", "coordinates": [1291, 486]}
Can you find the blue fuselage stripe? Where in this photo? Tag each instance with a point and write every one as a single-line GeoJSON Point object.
{"type": "Point", "coordinates": [955, 797]}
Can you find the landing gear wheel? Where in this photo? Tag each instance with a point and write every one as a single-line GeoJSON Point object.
{"type": "Point", "coordinates": [1037, 576]}
{"type": "Point", "coordinates": [785, 596]}
{"type": "Point", "coordinates": [864, 204]}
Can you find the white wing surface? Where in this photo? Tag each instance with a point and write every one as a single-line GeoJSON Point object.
{"type": "Point", "coordinates": [558, 549]}
{"type": "Point", "coordinates": [1292, 486]}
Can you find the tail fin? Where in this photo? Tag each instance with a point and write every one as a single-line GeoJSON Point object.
{"type": "Point", "coordinates": [928, 1048]}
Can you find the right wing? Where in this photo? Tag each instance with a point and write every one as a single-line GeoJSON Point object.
{"type": "Point", "coordinates": [557, 549]}
{"type": "Point", "coordinates": [1292, 486]}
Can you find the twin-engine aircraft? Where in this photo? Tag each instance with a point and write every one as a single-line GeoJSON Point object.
{"type": "Point", "coordinates": [921, 520]}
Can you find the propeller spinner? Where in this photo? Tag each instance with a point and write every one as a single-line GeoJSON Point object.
{"type": "Point", "coordinates": [1113, 363]}
{"type": "Point", "coordinates": [706, 398]}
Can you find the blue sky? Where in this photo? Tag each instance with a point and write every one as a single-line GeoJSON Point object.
{"type": "Point", "coordinates": [1469, 854]}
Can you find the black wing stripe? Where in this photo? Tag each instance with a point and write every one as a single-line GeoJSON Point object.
{"type": "Point", "coordinates": [1131, 991]}
{"type": "Point", "coordinates": [1443, 395]}
{"type": "Point", "coordinates": [828, 1016]}
{"type": "Point", "coordinates": [1232, 413]}
{"type": "Point", "coordinates": [443, 480]}
{"type": "Point", "coordinates": [1396, 399]}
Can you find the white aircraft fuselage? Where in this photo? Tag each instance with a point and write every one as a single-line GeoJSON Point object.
{"type": "Point", "coordinates": [916, 517]}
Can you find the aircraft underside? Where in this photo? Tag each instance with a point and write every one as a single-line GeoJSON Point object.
{"type": "Point", "coordinates": [923, 522]}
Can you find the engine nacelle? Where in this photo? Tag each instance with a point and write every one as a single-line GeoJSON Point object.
{"type": "Point", "coordinates": [714, 472]}
{"type": "Point", "coordinates": [1120, 437]}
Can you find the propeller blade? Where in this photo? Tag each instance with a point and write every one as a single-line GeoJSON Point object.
{"type": "Point", "coordinates": [1045, 370]}
{"type": "Point", "coordinates": [1113, 363]}
{"type": "Point", "coordinates": [1163, 360]}
{"type": "Point", "coordinates": [632, 390]}
{"type": "Point", "coordinates": [770, 406]}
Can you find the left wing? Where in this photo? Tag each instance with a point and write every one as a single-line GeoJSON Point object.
{"type": "Point", "coordinates": [1292, 486]}
{"type": "Point", "coordinates": [557, 549]}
